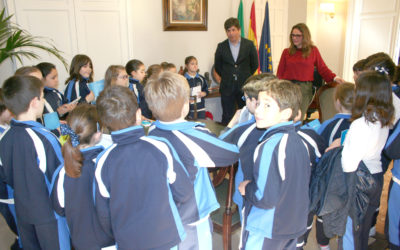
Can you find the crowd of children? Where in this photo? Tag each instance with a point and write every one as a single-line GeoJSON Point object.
{"type": "Point", "coordinates": [152, 190]}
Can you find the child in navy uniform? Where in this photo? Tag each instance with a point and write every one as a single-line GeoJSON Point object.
{"type": "Point", "coordinates": [139, 181]}
{"type": "Point", "coordinates": [198, 149]}
{"type": "Point", "coordinates": [73, 188]}
{"type": "Point", "coordinates": [198, 87]}
{"type": "Point", "coordinates": [7, 209]}
{"type": "Point", "coordinates": [332, 129]}
{"type": "Point", "coordinates": [80, 74]}
{"type": "Point", "coordinates": [30, 155]}
{"type": "Point", "coordinates": [245, 135]}
{"type": "Point", "coordinates": [54, 99]}
{"type": "Point", "coordinates": [276, 197]}
{"type": "Point", "coordinates": [137, 71]}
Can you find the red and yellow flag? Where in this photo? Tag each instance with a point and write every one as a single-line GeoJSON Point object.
{"type": "Point", "coordinates": [252, 36]}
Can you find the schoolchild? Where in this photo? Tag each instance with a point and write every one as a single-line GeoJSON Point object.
{"type": "Point", "coordinates": [332, 129]}
{"type": "Point", "coordinates": [245, 134]}
{"type": "Point", "coordinates": [29, 71]}
{"type": "Point", "coordinates": [198, 88]}
{"type": "Point", "coordinates": [137, 73]}
{"type": "Point", "coordinates": [139, 181]}
{"type": "Point", "coordinates": [198, 149]}
{"type": "Point", "coordinates": [80, 74]}
{"type": "Point", "coordinates": [372, 114]}
{"type": "Point", "coordinates": [153, 71]}
{"type": "Point", "coordinates": [392, 150]}
{"type": "Point", "coordinates": [116, 75]}
{"type": "Point", "coordinates": [54, 99]}
{"type": "Point", "coordinates": [276, 197]}
{"type": "Point", "coordinates": [7, 208]}
{"type": "Point", "coordinates": [30, 155]}
{"type": "Point", "coordinates": [166, 66]}
{"type": "Point", "coordinates": [358, 67]}
{"type": "Point", "coordinates": [72, 194]}
{"type": "Point", "coordinates": [316, 146]}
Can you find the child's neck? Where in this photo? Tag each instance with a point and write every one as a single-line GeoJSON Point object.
{"type": "Point", "coordinates": [26, 116]}
{"type": "Point", "coordinates": [181, 119]}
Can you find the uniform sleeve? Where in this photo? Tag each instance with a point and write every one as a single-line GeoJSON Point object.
{"type": "Point", "coordinates": [178, 177]}
{"type": "Point", "coordinates": [143, 103]}
{"type": "Point", "coordinates": [218, 60]}
{"type": "Point", "coordinates": [264, 189]}
{"type": "Point", "coordinates": [204, 85]}
{"type": "Point", "coordinates": [58, 194]}
{"type": "Point", "coordinates": [393, 144]}
{"type": "Point", "coordinates": [323, 70]}
{"type": "Point", "coordinates": [102, 199]}
{"type": "Point", "coordinates": [209, 151]}
{"type": "Point", "coordinates": [253, 58]}
{"type": "Point", "coordinates": [282, 65]}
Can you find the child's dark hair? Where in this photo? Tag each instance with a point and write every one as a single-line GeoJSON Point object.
{"type": "Point", "coordinates": [167, 66]}
{"type": "Point", "coordinates": [45, 68]}
{"type": "Point", "coordinates": [383, 65]}
{"type": "Point", "coordinates": [187, 61]}
{"type": "Point", "coordinates": [152, 72]}
{"type": "Point", "coordinates": [251, 88]}
{"type": "Point", "coordinates": [2, 104]}
{"type": "Point", "coordinates": [117, 108]}
{"type": "Point", "coordinates": [373, 98]}
{"type": "Point", "coordinates": [359, 65]}
{"type": "Point", "coordinates": [285, 93]}
{"type": "Point", "coordinates": [345, 94]}
{"type": "Point", "coordinates": [76, 64]}
{"type": "Point", "coordinates": [19, 91]}
{"type": "Point", "coordinates": [26, 70]}
{"type": "Point", "coordinates": [83, 121]}
{"type": "Point", "coordinates": [133, 65]}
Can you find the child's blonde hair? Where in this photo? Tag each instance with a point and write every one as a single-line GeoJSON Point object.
{"type": "Point", "coordinates": [345, 94]}
{"type": "Point", "coordinates": [285, 93]}
{"type": "Point", "coordinates": [167, 95]}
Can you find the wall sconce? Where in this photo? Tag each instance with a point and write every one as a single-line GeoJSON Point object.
{"type": "Point", "coordinates": [328, 9]}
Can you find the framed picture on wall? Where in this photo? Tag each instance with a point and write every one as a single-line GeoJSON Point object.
{"type": "Point", "coordinates": [182, 15]}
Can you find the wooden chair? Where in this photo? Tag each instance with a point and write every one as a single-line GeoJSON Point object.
{"type": "Point", "coordinates": [325, 101]}
{"type": "Point", "coordinates": [227, 227]}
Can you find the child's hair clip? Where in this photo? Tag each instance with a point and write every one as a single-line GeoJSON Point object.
{"type": "Point", "coordinates": [381, 70]}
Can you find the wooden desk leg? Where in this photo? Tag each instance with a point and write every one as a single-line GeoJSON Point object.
{"type": "Point", "coordinates": [227, 221]}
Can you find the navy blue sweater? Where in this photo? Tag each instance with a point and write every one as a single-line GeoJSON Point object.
{"type": "Point", "coordinates": [197, 81]}
{"type": "Point", "coordinates": [139, 182]}
{"type": "Point", "coordinates": [276, 199]}
{"type": "Point", "coordinates": [73, 198]}
{"type": "Point", "coordinates": [137, 88]}
{"type": "Point", "coordinates": [332, 129]}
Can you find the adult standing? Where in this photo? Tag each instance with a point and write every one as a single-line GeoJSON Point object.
{"type": "Point", "coordinates": [235, 60]}
{"type": "Point", "coordinates": [298, 61]}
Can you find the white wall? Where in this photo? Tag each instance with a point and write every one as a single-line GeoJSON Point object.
{"type": "Point", "coordinates": [6, 69]}
{"type": "Point", "coordinates": [297, 13]}
{"type": "Point", "coordinates": [329, 34]}
{"type": "Point", "coordinates": [153, 45]}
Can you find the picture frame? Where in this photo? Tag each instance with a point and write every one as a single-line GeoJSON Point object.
{"type": "Point", "coordinates": [185, 15]}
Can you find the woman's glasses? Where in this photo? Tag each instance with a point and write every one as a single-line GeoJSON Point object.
{"type": "Point", "coordinates": [296, 35]}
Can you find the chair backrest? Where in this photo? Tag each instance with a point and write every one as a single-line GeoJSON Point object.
{"type": "Point", "coordinates": [325, 100]}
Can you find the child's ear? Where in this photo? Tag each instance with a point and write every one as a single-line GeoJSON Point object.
{"type": "Point", "coordinates": [138, 116]}
{"type": "Point", "coordinates": [96, 138]}
{"type": "Point", "coordinates": [286, 114]}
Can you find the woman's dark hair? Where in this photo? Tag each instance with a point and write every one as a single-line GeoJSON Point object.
{"type": "Point", "coordinates": [76, 64]}
{"type": "Point", "coordinates": [373, 98]}
{"type": "Point", "coordinates": [45, 68]}
{"type": "Point", "coordinates": [83, 121]}
{"type": "Point", "coordinates": [132, 65]}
